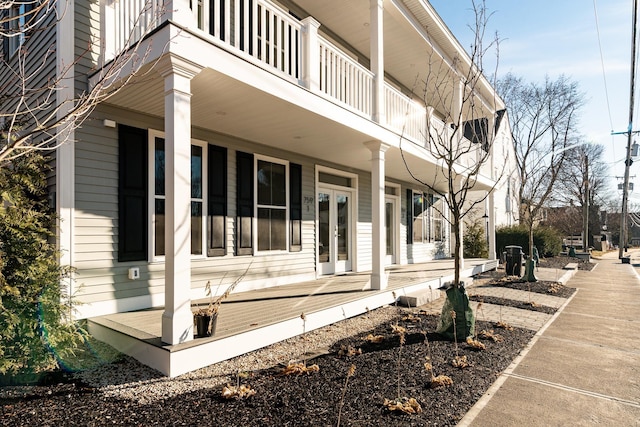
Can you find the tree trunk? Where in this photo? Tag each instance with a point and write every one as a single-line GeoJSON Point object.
{"type": "Point", "coordinates": [456, 255]}
{"type": "Point", "coordinates": [529, 274]}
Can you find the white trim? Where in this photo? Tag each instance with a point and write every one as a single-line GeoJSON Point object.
{"type": "Point", "coordinates": [395, 259]}
{"type": "Point", "coordinates": [354, 210]}
{"type": "Point", "coordinates": [65, 153]}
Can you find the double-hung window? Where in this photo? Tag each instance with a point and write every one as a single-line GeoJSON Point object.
{"type": "Point", "coordinates": [425, 213]}
{"type": "Point", "coordinates": [17, 22]}
{"type": "Point", "coordinates": [437, 218]}
{"type": "Point", "coordinates": [198, 190]}
{"type": "Point", "coordinates": [419, 210]}
{"type": "Point", "coordinates": [272, 204]}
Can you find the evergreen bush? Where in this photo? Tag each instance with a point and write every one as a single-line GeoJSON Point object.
{"type": "Point", "coordinates": [36, 331]}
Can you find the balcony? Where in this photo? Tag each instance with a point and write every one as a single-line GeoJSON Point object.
{"type": "Point", "coordinates": [269, 37]}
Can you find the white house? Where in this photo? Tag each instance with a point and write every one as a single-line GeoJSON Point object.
{"type": "Point", "coordinates": [276, 138]}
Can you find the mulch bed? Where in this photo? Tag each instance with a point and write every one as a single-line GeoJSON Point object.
{"type": "Point", "coordinates": [384, 370]}
{"type": "Point", "coordinates": [541, 286]}
{"type": "Point", "coordinates": [561, 261]}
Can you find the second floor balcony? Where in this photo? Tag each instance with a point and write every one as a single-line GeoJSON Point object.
{"type": "Point", "coordinates": [333, 62]}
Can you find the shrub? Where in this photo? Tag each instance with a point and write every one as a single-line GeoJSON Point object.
{"type": "Point", "coordinates": [35, 324]}
{"type": "Point", "coordinates": [475, 241]}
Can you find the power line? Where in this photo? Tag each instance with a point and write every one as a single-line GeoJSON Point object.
{"type": "Point", "coordinates": [604, 76]}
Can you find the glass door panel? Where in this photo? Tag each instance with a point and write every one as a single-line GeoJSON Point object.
{"type": "Point", "coordinates": [334, 231]}
{"type": "Point", "coordinates": [324, 243]}
{"type": "Point", "coordinates": [342, 204]}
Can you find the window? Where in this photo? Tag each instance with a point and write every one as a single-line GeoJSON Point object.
{"type": "Point", "coordinates": [419, 209]}
{"type": "Point", "coordinates": [20, 16]}
{"type": "Point", "coordinates": [295, 207]}
{"type": "Point", "coordinates": [197, 200]}
{"type": "Point", "coordinates": [437, 218]}
{"type": "Point", "coordinates": [198, 190]}
{"type": "Point", "coordinates": [425, 217]}
{"type": "Point", "coordinates": [141, 189]}
{"type": "Point", "coordinates": [158, 196]}
{"type": "Point", "coordinates": [271, 189]}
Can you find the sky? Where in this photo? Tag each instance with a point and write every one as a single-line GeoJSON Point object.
{"type": "Point", "coordinates": [543, 37]}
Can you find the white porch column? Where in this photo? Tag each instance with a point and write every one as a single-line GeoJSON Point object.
{"type": "Point", "coordinates": [378, 250]}
{"type": "Point", "coordinates": [177, 319]}
{"type": "Point", "coordinates": [65, 140]}
{"type": "Point", "coordinates": [310, 54]}
{"type": "Point", "coordinates": [456, 102]}
{"type": "Point", "coordinates": [377, 59]}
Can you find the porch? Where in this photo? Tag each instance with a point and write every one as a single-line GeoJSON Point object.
{"type": "Point", "coordinates": [254, 319]}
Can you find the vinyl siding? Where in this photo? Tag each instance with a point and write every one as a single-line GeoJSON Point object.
{"type": "Point", "coordinates": [102, 278]}
{"type": "Point", "coordinates": [40, 45]}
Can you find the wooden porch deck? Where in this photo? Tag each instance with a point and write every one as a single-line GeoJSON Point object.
{"type": "Point", "coordinates": [254, 319]}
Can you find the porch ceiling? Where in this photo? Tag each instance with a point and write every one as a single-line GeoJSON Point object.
{"type": "Point", "coordinates": [229, 106]}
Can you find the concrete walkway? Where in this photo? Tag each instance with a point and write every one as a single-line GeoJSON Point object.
{"type": "Point", "coordinates": [583, 365]}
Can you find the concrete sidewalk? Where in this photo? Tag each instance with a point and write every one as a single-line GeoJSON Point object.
{"type": "Point", "coordinates": [583, 365]}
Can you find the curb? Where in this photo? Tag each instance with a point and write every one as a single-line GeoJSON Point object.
{"type": "Point", "coordinates": [486, 397]}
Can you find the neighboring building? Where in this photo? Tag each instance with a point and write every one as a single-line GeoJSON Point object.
{"type": "Point", "coordinates": [263, 137]}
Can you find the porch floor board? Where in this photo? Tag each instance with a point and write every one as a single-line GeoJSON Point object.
{"type": "Point", "coordinates": [244, 313]}
{"type": "Point", "coordinates": [258, 308]}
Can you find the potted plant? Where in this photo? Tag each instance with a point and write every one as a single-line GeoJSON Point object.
{"type": "Point", "coordinates": [205, 318]}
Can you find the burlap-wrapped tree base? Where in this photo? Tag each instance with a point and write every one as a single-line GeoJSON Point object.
{"type": "Point", "coordinates": [465, 321]}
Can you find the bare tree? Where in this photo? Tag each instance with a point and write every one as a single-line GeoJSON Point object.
{"type": "Point", "coordinates": [463, 145]}
{"type": "Point", "coordinates": [544, 120]}
{"type": "Point", "coordinates": [31, 115]}
{"type": "Point", "coordinates": [585, 180]}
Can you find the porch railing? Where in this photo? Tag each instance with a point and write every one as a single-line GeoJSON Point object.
{"type": "Point", "coordinates": [257, 28]}
{"type": "Point", "coordinates": [342, 78]}
{"type": "Point", "coordinates": [405, 115]}
{"type": "Point", "coordinates": [124, 22]}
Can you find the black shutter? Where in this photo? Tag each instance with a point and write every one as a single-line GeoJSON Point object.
{"type": "Point", "coordinates": [132, 194]}
{"type": "Point", "coordinates": [217, 202]}
{"type": "Point", "coordinates": [244, 215]}
{"type": "Point", "coordinates": [409, 216]}
{"type": "Point", "coordinates": [295, 207]}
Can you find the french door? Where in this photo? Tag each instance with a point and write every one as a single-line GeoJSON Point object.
{"type": "Point", "coordinates": [335, 234]}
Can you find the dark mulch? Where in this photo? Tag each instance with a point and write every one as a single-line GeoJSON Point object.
{"type": "Point", "coordinates": [512, 303]}
{"type": "Point", "coordinates": [560, 261]}
{"type": "Point", "coordinates": [304, 400]}
{"type": "Point", "coordinates": [541, 286]}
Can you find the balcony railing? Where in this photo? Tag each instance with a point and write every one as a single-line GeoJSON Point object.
{"type": "Point", "coordinates": [405, 116]}
{"type": "Point", "coordinates": [344, 79]}
{"type": "Point", "coordinates": [273, 38]}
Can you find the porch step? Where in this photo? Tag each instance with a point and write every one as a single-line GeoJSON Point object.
{"type": "Point", "coordinates": [416, 299]}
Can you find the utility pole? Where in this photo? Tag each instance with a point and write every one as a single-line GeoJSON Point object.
{"type": "Point", "coordinates": [627, 162]}
{"type": "Point", "coordinates": [585, 208]}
